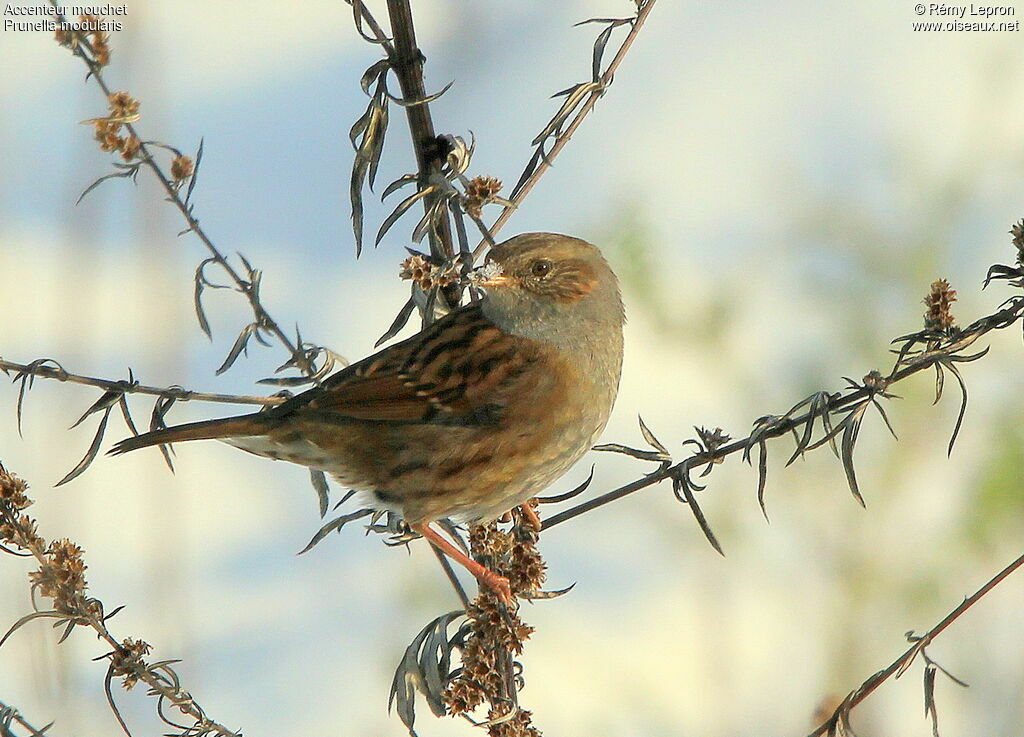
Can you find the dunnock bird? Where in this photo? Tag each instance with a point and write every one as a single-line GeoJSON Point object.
{"type": "Point", "coordinates": [470, 417]}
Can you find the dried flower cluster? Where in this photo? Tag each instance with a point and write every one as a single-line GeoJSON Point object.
{"type": "Point", "coordinates": [480, 191]}
{"type": "Point", "coordinates": [1017, 231]}
{"type": "Point", "coordinates": [127, 661]}
{"type": "Point", "coordinates": [488, 672]}
{"type": "Point", "coordinates": [16, 528]}
{"type": "Point", "coordinates": [938, 316]}
{"type": "Point", "coordinates": [96, 42]}
{"type": "Point", "coordinates": [61, 578]}
{"type": "Point", "coordinates": [123, 109]}
{"type": "Point", "coordinates": [427, 275]}
{"type": "Point", "coordinates": [182, 168]}
{"type": "Point", "coordinates": [61, 574]}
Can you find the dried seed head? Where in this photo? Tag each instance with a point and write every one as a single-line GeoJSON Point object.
{"type": "Point", "coordinates": [128, 661]}
{"type": "Point", "coordinates": [479, 192]}
{"type": "Point", "coordinates": [130, 149]}
{"type": "Point", "coordinates": [417, 268]}
{"type": "Point", "coordinates": [122, 105]}
{"type": "Point", "coordinates": [12, 491]}
{"type": "Point", "coordinates": [17, 529]}
{"type": "Point", "coordinates": [940, 298]}
{"type": "Point", "coordinates": [107, 134]}
{"type": "Point", "coordinates": [519, 725]}
{"type": "Point", "coordinates": [98, 40]}
{"type": "Point", "coordinates": [427, 275]}
{"type": "Point", "coordinates": [875, 382]}
{"type": "Point", "coordinates": [62, 577]}
{"type": "Point", "coordinates": [182, 168]}
{"type": "Point", "coordinates": [65, 38]}
{"type": "Point", "coordinates": [20, 531]}
{"type": "Point", "coordinates": [487, 672]}
{"type": "Point", "coordinates": [1017, 231]}
{"type": "Point", "coordinates": [713, 439]}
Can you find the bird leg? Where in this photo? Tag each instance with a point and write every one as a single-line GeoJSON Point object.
{"type": "Point", "coordinates": [498, 584]}
{"type": "Point", "coordinates": [531, 515]}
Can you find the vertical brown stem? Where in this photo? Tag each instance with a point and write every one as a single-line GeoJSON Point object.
{"type": "Point", "coordinates": [407, 63]}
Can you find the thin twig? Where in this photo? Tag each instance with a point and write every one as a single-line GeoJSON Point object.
{"type": "Point", "coordinates": [378, 32]}
{"type": "Point", "coordinates": [263, 318]}
{"type": "Point", "coordinates": [452, 578]}
{"type": "Point", "coordinates": [59, 578]}
{"type": "Point", "coordinates": [1000, 319]}
{"type": "Point", "coordinates": [48, 371]}
{"type": "Point", "coordinates": [904, 660]}
{"type": "Point", "coordinates": [9, 712]}
{"type": "Point", "coordinates": [560, 142]}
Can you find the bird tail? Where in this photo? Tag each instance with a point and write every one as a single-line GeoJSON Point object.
{"type": "Point", "coordinates": [229, 427]}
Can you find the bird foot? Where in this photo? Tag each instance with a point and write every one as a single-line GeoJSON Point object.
{"type": "Point", "coordinates": [498, 584]}
{"type": "Point", "coordinates": [530, 513]}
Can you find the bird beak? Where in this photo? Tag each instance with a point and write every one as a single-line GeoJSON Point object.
{"type": "Point", "coordinates": [488, 275]}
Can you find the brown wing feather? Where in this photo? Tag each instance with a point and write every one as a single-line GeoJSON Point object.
{"type": "Point", "coordinates": [456, 367]}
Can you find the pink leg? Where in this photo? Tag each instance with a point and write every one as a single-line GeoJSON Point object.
{"type": "Point", "coordinates": [498, 584]}
{"type": "Point", "coordinates": [531, 515]}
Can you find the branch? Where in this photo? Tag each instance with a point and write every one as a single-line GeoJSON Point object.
{"type": "Point", "coordinates": [9, 715]}
{"type": "Point", "coordinates": [80, 47]}
{"type": "Point", "coordinates": [898, 666]}
{"type": "Point", "coordinates": [407, 63]}
{"type": "Point", "coordinates": [937, 355]}
{"type": "Point", "coordinates": [542, 160]}
{"type": "Point", "coordinates": [46, 369]}
{"type": "Point", "coordinates": [61, 579]}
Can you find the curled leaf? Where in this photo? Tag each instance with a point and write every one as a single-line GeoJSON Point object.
{"type": "Point", "coordinates": [319, 481]}
{"type": "Point", "coordinates": [399, 322]}
{"type": "Point", "coordinates": [335, 525]}
{"type": "Point", "coordinates": [90, 454]}
{"type": "Point", "coordinates": [684, 488]}
{"type": "Point", "coordinates": [240, 345]}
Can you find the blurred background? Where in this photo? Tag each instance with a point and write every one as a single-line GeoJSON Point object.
{"type": "Point", "coordinates": [777, 184]}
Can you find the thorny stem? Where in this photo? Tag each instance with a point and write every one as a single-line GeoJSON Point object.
{"type": "Point", "coordinates": [263, 318]}
{"type": "Point", "coordinates": [916, 364]}
{"type": "Point", "coordinates": [566, 135]}
{"type": "Point", "coordinates": [904, 660]}
{"type": "Point", "coordinates": [52, 372]}
{"type": "Point", "coordinates": [407, 63]}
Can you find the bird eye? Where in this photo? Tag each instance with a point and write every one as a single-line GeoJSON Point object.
{"type": "Point", "coordinates": [541, 268]}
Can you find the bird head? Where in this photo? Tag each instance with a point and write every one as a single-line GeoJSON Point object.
{"type": "Point", "coordinates": [544, 284]}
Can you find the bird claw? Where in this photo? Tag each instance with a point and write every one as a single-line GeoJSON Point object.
{"type": "Point", "coordinates": [538, 594]}
{"type": "Point", "coordinates": [500, 586]}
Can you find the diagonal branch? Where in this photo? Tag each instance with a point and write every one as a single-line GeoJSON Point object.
{"type": "Point", "coordinates": [1003, 318]}
{"type": "Point", "coordinates": [60, 578]}
{"type": "Point", "coordinates": [903, 661]}
{"type": "Point", "coordinates": [548, 158]}
{"type": "Point", "coordinates": [9, 715]}
{"type": "Point", "coordinates": [262, 317]}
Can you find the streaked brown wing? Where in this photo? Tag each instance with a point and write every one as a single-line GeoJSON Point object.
{"type": "Point", "coordinates": [459, 367]}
